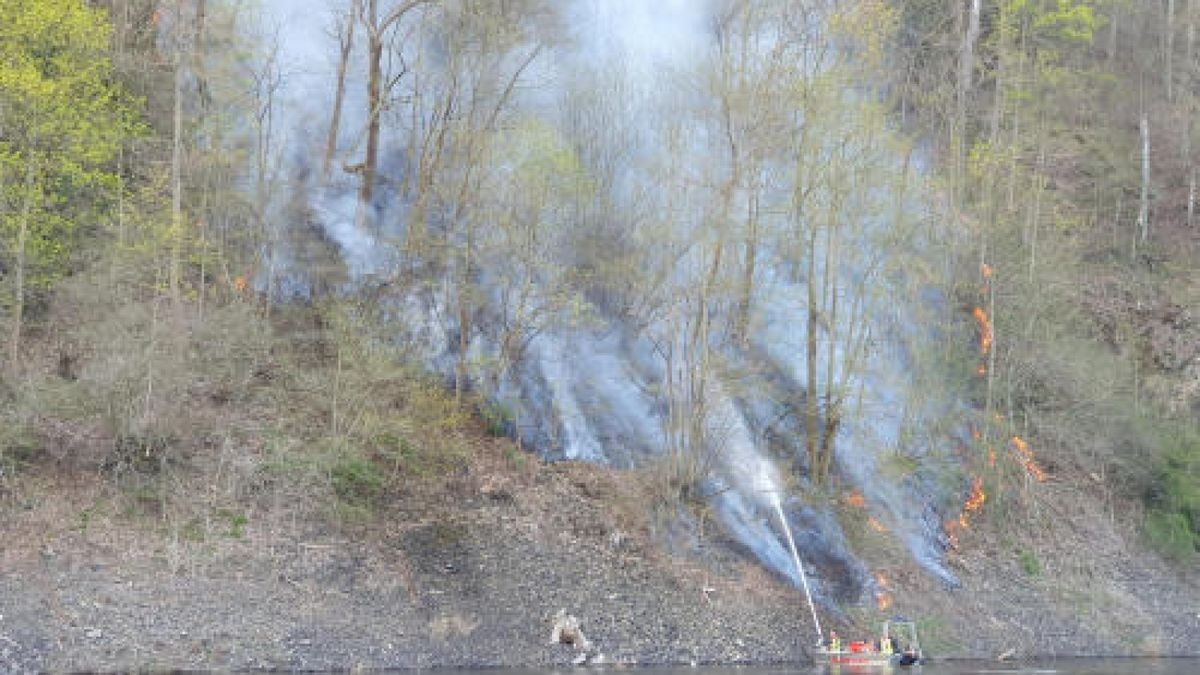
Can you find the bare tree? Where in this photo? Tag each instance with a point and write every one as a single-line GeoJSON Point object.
{"type": "Point", "coordinates": [378, 27]}
{"type": "Point", "coordinates": [344, 29]}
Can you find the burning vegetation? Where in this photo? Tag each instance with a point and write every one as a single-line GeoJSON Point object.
{"type": "Point", "coordinates": [983, 320]}
{"type": "Point", "coordinates": [974, 502]}
{"type": "Point", "coordinates": [1025, 456]}
{"type": "Point", "coordinates": [985, 330]}
{"type": "Point", "coordinates": [883, 592]}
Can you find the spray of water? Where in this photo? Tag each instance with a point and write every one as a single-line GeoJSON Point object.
{"type": "Point", "coordinates": [787, 531]}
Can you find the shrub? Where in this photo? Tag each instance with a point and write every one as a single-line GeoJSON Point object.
{"type": "Point", "coordinates": [1173, 522]}
{"type": "Point", "coordinates": [1030, 563]}
{"type": "Point", "coordinates": [357, 481]}
{"type": "Point", "coordinates": [497, 419]}
{"type": "Point", "coordinates": [19, 447]}
{"type": "Point", "coordinates": [1171, 534]}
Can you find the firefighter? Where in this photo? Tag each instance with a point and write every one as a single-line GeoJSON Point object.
{"type": "Point", "coordinates": [835, 643]}
{"type": "Point", "coordinates": [885, 644]}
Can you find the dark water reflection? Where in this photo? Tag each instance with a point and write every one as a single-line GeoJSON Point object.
{"type": "Point", "coordinates": [1055, 667]}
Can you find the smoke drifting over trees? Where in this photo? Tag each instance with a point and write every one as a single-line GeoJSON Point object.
{"type": "Point", "coordinates": [671, 232]}
{"type": "Point", "coordinates": [691, 237]}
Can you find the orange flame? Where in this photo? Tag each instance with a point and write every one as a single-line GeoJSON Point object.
{"type": "Point", "coordinates": [985, 271]}
{"type": "Point", "coordinates": [974, 502]}
{"type": "Point", "coordinates": [952, 527]}
{"type": "Point", "coordinates": [985, 330]}
{"type": "Point", "coordinates": [876, 525]}
{"type": "Point", "coordinates": [240, 284]}
{"type": "Point", "coordinates": [977, 498]}
{"type": "Point", "coordinates": [856, 499]}
{"type": "Point", "coordinates": [883, 596]}
{"type": "Point", "coordinates": [1027, 459]}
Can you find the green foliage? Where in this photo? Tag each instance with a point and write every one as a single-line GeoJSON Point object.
{"type": "Point", "coordinates": [65, 120]}
{"type": "Point", "coordinates": [376, 401]}
{"type": "Point", "coordinates": [19, 446]}
{"type": "Point", "coordinates": [1173, 522]}
{"type": "Point", "coordinates": [192, 531]}
{"type": "Point", "coordinates": [937, 637]}
{"type": "Point", "coordinates": [1030, 563]}
{"type": "Point", "coordinates": [515, 457]}
{"type": "Point", "coordinates": [1051, 172]}
{"type": "Point", "coordinates": [1172, 534]}
{"type": "Point", "coordinates": [1057, 20]}
{"type": "Point", "coordinates": [497, 418]}
{"type": "Point", "coordinates": [357, 481]}
{"type": "Point", "coordinates": [235, 522]}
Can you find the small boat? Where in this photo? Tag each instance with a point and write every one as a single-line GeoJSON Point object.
{"type": "Point", "coordinates": [872, 654]}
{"type": "Point", "coordinates": [856, 655]}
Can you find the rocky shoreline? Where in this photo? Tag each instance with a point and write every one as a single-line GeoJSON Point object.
{"type": "Point", "coordinates": [474, 586]}
{"type": "Point", "coordinates": [476, 582]}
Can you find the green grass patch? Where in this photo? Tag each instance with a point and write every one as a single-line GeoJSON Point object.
{"type": "Point", "coordinates": [19, 447]}
{"type": "Point", "coordinates": [235, 523]}
{"type": "Point", "coordinates": [1173, 522]}
{"type": "Point", "coordinates": [515, 458]}
{"type": "Point", "coordinates": [357, 481]}
{"type": "Point", "coordinates": [1030, 563]}
{"type": "Point", "coordinates": [936, 636]}
{"type": "Point", "coordinates": [497, 418]}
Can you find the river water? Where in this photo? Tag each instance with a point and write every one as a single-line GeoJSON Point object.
{"type": "Point", "coordinates": [1137, 666]}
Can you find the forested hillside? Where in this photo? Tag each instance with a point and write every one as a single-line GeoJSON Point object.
{"type": "Point", "coordinates": [446, 304]}
{"type": "Point", "coordinates": [1066, 133]}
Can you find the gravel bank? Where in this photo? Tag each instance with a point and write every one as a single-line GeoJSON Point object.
{"type": "Point", "coordinates": [474, 579]}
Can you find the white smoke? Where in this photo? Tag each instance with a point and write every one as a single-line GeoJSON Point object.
{"type": "Point", "coordinates": [596, 391]}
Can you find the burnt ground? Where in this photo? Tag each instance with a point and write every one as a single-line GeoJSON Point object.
{"type": "Point", "coordinates": [471, 572]}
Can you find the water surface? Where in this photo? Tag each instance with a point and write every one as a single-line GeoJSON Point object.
{"type": "Point", "coordinates": [1138, 666]}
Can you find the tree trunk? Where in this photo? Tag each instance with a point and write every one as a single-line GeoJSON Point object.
{"type": "Point", "coordinates": [1190, 48]}
{"type": "Point", "coordinates": [464, 317]}
{"type": "Point", "coordinates": [1035, 214]}
{"type": "Point", "coordinates": [832, 393]}
{"type": "Point", "coordinates": [374, 102]}
{"type": "Point", "coordinates": [1113, 21]}
{"type": "Point", "coordinates": [966, 63]}
{"type": "Point", "coordinates": [18, 313]}
{"type": "Point", "coordinates": [1189, 74]}
{"type": "Point", "coordinates": [346, 40]}
{"type": "Point", "coordinates": [1144, 201]}
{"type": "Point", "coordinates": [177, 185]}
{"type": "Point", "coordinates": [1191, 200]}
{"type": "Point", "coordinates": [376, 29]}
{"type": "Point", "coordinates": [1169, 51]}
{"type": "Point", "coordinates": [966, 74]}
{"type": "Point", "coordinates": [198, 69]}
{"type": "Point", "coordinates": [746, 299]}
{"type": "Point", "coordinates": [812, 431]}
